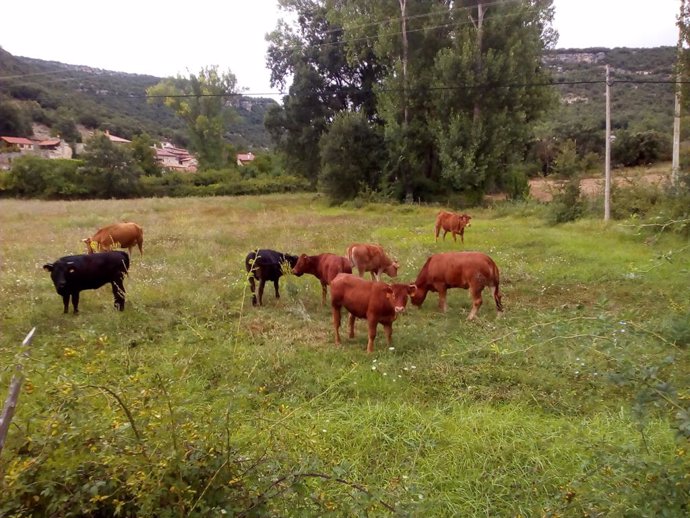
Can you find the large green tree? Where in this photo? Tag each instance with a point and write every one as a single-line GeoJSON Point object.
{"type": "Point", "coordinates": [202, 101]}
{"type": "Point", "coordinates": [313, 54]}
{"type": "Point", "coordinates": [109, 170]}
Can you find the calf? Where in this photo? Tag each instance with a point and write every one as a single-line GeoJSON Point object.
{"type": "Point", "coordinates": [472, 270]}
{"type": "Point", "coordinates": [451, 222]}
{"type": "Point", "coordinates": [324, 267]}
{"type": "Point", "coordinates": [266, 265]}
{"type": "Point", "coordinates": [118, 235]}
{"type": "Point", "coordinates": [378, 302]}
{"type": "Point", "coordinates": [371, 258]}
{"type": "Point", "coordinates": [74, 273]}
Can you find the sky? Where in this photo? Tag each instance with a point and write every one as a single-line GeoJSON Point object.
{"type": "Point", "coordinates": [166, 38]}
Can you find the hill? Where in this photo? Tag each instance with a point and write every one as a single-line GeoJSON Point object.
{"type": "Point", "coordinates": [62, 96]}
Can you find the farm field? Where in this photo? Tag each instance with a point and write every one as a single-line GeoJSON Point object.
{"type": "Point", "coordinates": [192, 402]}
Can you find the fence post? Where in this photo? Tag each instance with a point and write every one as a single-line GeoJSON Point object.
{"type": "Point", "coordinates": [15, 388]}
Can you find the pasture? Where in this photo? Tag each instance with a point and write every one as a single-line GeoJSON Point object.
{"type": "Point", "coordinates": [193, 402]}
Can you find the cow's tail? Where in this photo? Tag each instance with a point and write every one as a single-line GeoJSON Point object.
{"type": "Point", "coordinates": [497, 293]}
{"type": "Point", "coordinates": [351, 257]}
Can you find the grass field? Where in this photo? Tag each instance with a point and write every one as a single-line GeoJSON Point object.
{"type": "Point", "coordinates": [193, 402]}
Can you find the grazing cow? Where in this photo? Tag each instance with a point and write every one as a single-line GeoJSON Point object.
{"type": "Point", "coordinates": [371, 258]}
{"type": "Point", "coordinates": [74, 273]}
{"type": "Point", "coordinates": [324, 267]}
{"type": "Point", "coordinates": [452, 222]}
{"type": "Point", "coordinates": [118, 235]}
{"type": "Point", "coordinates": [377, 302]}
{"type": "Point", "coordinates": [472, 270]}
{"type": "Point", "coordinates": [266, 265]}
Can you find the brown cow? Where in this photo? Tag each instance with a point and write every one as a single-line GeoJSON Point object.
{"type": "Point", "coordinates": [118, 235]}
{"type": "Point", "coordinates": [452, 222]}
{"type": "Point", "coordinates": [378, 302]}
{"type": "Point", "coordinates": [371, 258]}
{"type": "Point", "coordinates": [324, 267]}
{"type": "Point", "coordinates": [473, 270]}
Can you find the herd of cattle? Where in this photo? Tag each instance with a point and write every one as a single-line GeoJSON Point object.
{"type": "Point", "coordinates": [376, 301]}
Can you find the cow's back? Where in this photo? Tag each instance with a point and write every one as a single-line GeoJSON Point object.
{"type": "Point", "coordinates": [459, 268]}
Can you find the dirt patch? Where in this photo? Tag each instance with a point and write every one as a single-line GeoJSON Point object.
{"type": "Point", "coordinates": [543, 189]}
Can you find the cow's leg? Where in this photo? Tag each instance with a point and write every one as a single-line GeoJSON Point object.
{"type": "Point", "coordinates": [262, 283]}
{"type": "Point", "coordinates": [360, 271]}
{"type": "Point", "coordinates": [252, 286]}
{"type": "Point", "coordinates": [442, 303]}
{"type": "Point", "coordinates": [476, 293]}
{"type": "Point", "coordinates": [437, 229]}
{"type": "Point", "coordinates": [65, 302]}
{"type": "Point", "coordinates": [374, 276]}
{"type": "Point", "coordinates": [388, 328]}
{"type": "Point", "coordinates": [75, 301]}
{"type": "Point", "coordinates": [324, 292]}
{"type": "Point", "coordinates": [119, 294]}
{"type": "Point", "coordinates": [372, 335]}
{"type": "Point", "coordinates": [444, 234]}
{"type": "Point", "coordinates": [336, 323]}
{"type": "Point", "coordinates": [275, 285]}
{"type": "Point", "coordinates": [462, 236]}
{"type": "Point", "coordinates": [351, 324]}
{"type": "Point", "coordinates": [455, 240]}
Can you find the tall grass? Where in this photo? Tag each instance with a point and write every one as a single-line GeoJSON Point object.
{"type": "Point", "coordinates": [254, 411]}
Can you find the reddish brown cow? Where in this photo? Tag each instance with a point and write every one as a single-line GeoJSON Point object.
{"type": "Point", "coordinates": [324, 267]}
{"type": "Point", "coordinates": [118, 235]}
{"type": "Point", "coordinates": [453, 223]}
{"type": "Point", "coordinates": [378, 302]}
{"type": "Point", "coordinates": [472, 270]}
{"type": "Point", "coordinates": [371, 258]}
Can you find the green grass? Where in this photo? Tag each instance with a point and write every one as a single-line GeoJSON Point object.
{"type": "Point", "coordinates": [526, 415]}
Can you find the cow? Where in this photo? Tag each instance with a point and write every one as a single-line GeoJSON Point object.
{"type": "Point", "coordinates": [324, 267]}
{"type": "Point", "coordinates": [74, 273]}
{"type": "Point", "coordinates": [453, 223]}
{"type": "Point", "coordinates": [473, 270]}
{"type": "Point", "coordinates": [377, 302]}
{"type": "Point", "coordinates": [371, 258]}
{"type": "Point", "coordinates": [266, 265]}
{"type": "Point", "coordinates": [117, 235]}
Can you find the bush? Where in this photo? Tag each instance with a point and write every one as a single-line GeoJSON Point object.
{"type": "Point", "coordinates": [631, 149]}
{"type": "Point", "coordinates": [567, 205]}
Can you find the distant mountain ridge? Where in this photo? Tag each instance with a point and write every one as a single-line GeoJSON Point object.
{"type": "Point", "coordinates": [52, 93]}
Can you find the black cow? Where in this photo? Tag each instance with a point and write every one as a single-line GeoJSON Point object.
{"type": "Point", "coordinates": [266, 265]}
{"type": "Point", "coordinates": [74, 273]}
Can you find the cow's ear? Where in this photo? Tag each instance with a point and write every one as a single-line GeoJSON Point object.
{"type": "Point", "coordinates": [411, 289]}
{"type": "Point", "coordinates": [48, 267]}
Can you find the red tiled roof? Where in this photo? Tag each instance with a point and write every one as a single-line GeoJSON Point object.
{"type": "Point", "coordinates": [50, 142]}
{"type": "Point", "coordinates": [245, 157]}
{"type": "Point", "coordinates": [18, 141]}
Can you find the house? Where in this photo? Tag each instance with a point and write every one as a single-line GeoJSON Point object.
{"type": "Point", "coordinates": [23, 144]}
{"type": "Point", "coordinates": [244, 158]}
{"type": "Point", "coordinates": [54, 148]}
{"type": "Point", "coordinates": [117, 140]}
{"type": "Point", "coordinates": [175, 158]}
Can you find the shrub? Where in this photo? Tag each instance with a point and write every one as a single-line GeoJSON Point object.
{"type": "Point", "coordinates": [567, 205]}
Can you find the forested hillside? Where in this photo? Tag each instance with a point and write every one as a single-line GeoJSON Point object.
{"type": "Point", "coordinates": [63, 96]}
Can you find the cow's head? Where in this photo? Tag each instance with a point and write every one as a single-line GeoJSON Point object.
{"type": "Point", "coordinates": [465, 218]}
{"type": "Point", "coordinates": [398, 293]}
{"type": "Point", "coordinates": [301, 265]}
{"type": "Point", "coordinates": [392, 269]}
{"type": "Point", "coordinates": [90, 245]}
{"type": "Point", "coordinates": [418, 296]}
{"type": "Point", "coordinates": [60, 273]}
{"type": "Point", "coordinates": [289, 262]}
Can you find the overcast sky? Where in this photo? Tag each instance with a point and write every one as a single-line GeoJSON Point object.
{"type": "Point", "coordinates": [164, 38]}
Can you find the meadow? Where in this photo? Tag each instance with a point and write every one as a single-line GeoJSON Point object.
{"type": "Point", "coordinates": [192, 402]}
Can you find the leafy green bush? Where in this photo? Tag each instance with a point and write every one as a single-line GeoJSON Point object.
{"type": "Point", "coordinates": [567, 205]}
{"type": "Point", "coordinates": [631, 149]}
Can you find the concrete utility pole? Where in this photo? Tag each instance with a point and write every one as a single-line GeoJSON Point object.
{"type": "Point", "coordinates": [607, 160]}
{"type": "Point", "coordinates": [675, 167]}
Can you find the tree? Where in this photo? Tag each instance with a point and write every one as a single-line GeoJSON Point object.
{"type": "Point", "coordinates": [485, 104]}
{"type": "Point", "coordinates": [324, 81]}
{"type": "Point", "coordinates": [109, 170]}
{"type": "Point", "coordinates": [351, 157]}
{"type": "Point", "coordinates": [13, 121]}
{"type": "Point", "coordinates": [201, 101]}
{"type": "Point", "coordinates": [145, 155]}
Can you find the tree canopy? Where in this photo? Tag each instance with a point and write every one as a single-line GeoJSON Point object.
{"type": "Point", "coordinates": [447, 82]}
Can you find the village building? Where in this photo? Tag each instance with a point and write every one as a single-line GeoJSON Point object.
{"type": "Point", "coordinates": [245, 158]}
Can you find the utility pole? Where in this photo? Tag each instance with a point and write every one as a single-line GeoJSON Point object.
{"type": "Point", "coordinates": [607, 160]}
{"type": "Point", "coordinates": [675, 164]}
